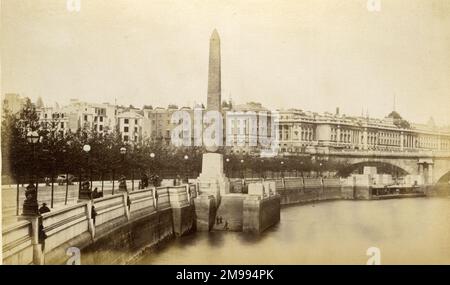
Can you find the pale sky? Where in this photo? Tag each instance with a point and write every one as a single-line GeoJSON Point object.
{"type": "Point", "coordinates": [310, 54]}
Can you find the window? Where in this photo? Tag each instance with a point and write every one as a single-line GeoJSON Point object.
{"type": "Point", "coordinates": [100, 127]}
{"type": "Point", "coordinates": [101, 119]}
{"type": "Point", "coordinates": [135, 121]}
{"type": "Point", "coordinates": [135, 129]}
{"type": "Point", "coordinates": [125, 129]}
{"type": "Point", "coordinates": [85, 117]}
{"type": "Point", "coordinates": [62, 125]}
{"type": "Point", "coordinates": [126, 121]}
{"type": "Point", "coordinates": [125, 138]}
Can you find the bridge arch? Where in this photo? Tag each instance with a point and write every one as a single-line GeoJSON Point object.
{"type": "Point", "coordinates": [441, 169]}
{"type": "Point", "coordinates": [444, 178]}
{"type": "Point", "coordinates": [382, 168]}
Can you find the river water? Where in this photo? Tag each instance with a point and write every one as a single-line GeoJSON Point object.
{"type": "Point", "coordinates": [407, 231]}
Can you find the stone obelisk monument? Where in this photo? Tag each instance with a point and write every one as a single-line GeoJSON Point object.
{"type": "Point", "coordinates": [212, 181]}
{"type": "Point", "coordinates": [214, 76]}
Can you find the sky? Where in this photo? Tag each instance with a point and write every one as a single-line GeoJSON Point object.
{"type": "Point", "coordinates": [312, 54]}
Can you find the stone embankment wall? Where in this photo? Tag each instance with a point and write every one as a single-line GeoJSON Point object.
{"type": "Point", "coordinates": [125, 223]}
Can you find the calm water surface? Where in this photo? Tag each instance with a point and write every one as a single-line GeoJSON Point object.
{"type": "Point", "coordinates": [407, 231]}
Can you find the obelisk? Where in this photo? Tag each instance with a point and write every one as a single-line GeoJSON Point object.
{"type": "Point", "coordinates": [212, 182]}
{"type": "Point", "coordinates": [214, 76]}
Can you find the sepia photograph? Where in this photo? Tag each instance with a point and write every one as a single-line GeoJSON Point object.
{"type": "Point", "coordinates": [253, 132]}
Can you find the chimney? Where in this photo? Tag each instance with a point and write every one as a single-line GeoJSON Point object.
{"type": "Point", "coordinates": [337, 111]}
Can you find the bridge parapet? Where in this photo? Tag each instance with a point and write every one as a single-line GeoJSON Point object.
{"type": "Point", "coordinates": [111, 209]}
{"type": "Point", "coordinates": [162, 197]}
{"type": "Point", "coordinates": [375, 153]}
{"type": "Point", "coordinates": [142, 202]}
{"type": "Point", "coordinates": [45, 239]}
{"type": "Point", "coordinates": [178, 196]}
{"type": "Point", "coordinates": [18, 243]}
{"type": "Point", "coordinates": [65, 224]}
{"type": "Point", "coordinates": [293, 183]}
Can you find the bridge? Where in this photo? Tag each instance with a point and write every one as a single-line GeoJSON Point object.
{"type": "Point", "coordinates": [434, 166]}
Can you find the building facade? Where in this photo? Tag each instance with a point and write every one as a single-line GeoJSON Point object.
{"type": "Point", "coordinates": [301, 131]}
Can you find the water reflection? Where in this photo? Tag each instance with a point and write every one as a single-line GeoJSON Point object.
{"type": "Point", "coordinates": [407, 231]}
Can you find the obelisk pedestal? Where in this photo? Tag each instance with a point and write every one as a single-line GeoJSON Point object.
{"type": "Point", "coordinates": [212, 180]}
{"type": "Point", "coordinates": [212, 184]}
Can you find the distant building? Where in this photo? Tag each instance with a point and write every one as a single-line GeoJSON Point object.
{"type": "Point", "coordinates": [243, 130]}
{"type": "Point", "coordinates": [52, 118]}
{"type": "Point", "coordinates": [130, 126]}
{"type": "Point", "coordinates": [301, 131]}
{"type": "Point", "coordinates": [158, 124]}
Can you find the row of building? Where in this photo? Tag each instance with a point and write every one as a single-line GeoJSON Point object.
{"type": "Point", "coordinates": [298, 131]}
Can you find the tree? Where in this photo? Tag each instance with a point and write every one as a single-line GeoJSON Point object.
{"type": "Point", "coordinates": [16, 152]}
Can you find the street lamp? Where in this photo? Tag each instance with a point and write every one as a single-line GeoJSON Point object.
{"type": "Point", "coordinates": [86, 185]}
{"type": "Point", "coordinates": [282, 169]}
{"type": "Point", "coordinates": [227, 167]}
{"type": "Point", "coordinates": [33, 137]}
{"type": "Point", "coordinates": [86, 148]}
{"type": "Point", "coordinates": [242, 169]}
{"type": "Point", "coordinates": [152, 176]}
{"type": "Point", "coordinates": [122, 180]}
{"type": "Point", "coordinates": [186, 157]}
{"type": "Point", "coordinates": [31, 205]}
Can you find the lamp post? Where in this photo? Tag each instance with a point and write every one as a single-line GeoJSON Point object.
{"type": "Point", "coordinates": [301, 168]}
{"type": "Point", "coordinates": [122, 179]}
{"type": "Point", "coordinates": [86, 185]}
{"type": "Point", "coordinates": [67, 171]}
{"type": "Point", "coordinates": [31, 205]}
{"type": "Point", "coordinates": [186, 157]}
{"type": "Point", "coordinates": [261, 169]}
{"type": "Point", "coordinates": [227, 160]}
{"type": "Point", "coordinates": [152, 156]}
{"type": "Point", "coordinates": [282, 169]}
{"type": "Point", "coordinates": [242, 169]}
{"type": "Point", "coordinates": [87, 149]}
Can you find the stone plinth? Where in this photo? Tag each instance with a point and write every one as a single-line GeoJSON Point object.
{"type": "Point", "coordinates": [205, 211]}
{"type": "Point", "coordinates": [256, 189]}
{"type": "Point", "coordinates": [212, 180]}
{"type": "Point", "coordinates": [260, 214]}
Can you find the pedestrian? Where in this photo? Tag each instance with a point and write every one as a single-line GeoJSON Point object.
{"type": "Point", "coordinates": [93, 213]}
{"type": "Point", "coordinates": [96, 194]}
{"type": "Point", "coordinates": [47, 181]}
{"type": "Point", "coordinates": [44, 209]}
{"type": "Point", "coordinates": [41, 234]}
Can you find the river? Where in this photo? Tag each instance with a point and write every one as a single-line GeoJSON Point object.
{"type": "Point", "coordinates": [407, 231]}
